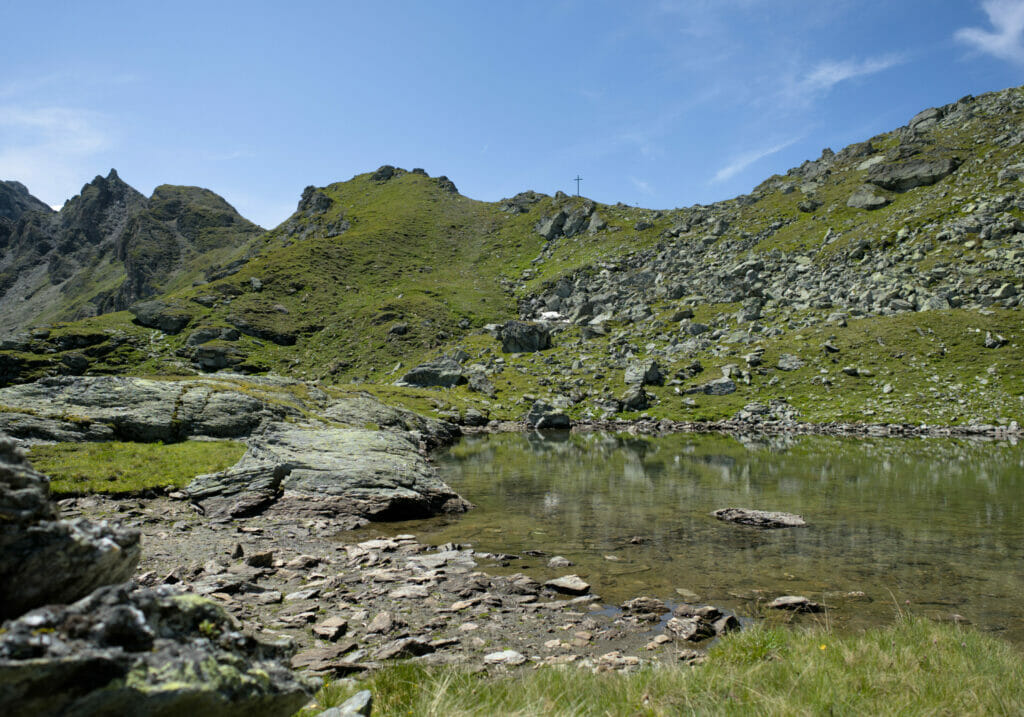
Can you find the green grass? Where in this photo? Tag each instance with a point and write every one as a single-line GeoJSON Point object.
{"type": "Point", "coordinates": [120, 468]}
{"type": "Point", "coordinates": [913, 668]}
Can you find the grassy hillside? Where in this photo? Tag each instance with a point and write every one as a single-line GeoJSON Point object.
{"type": "Point", "coordinates": [888, 310]}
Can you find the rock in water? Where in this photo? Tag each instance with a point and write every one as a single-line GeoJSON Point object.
{"type": "Point", "coordinates": [794, 603]}
{"type": "Point", "coordinates": [759, 518]}
{"type": "Point", "coordinates": [568, 584]}
{"type": "Point", "coordinates": [141, 652]}
{"type": "Point", "coordinates": [44, 560]}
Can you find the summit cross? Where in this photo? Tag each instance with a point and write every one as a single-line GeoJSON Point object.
{"type": "Point", "coordinates": [578, 180]}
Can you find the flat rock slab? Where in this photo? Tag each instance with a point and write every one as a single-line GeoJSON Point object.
{"type": "Point", "coordinates": [128, 408]}
{"type": "Point", "coordinates": [366, 474]}
{"type": "Point", "coordinates": [759, 518]}
{"type": "Point", "coordinates": [795, 603]}
{"type": "Point", "coordinates": [569, 585]}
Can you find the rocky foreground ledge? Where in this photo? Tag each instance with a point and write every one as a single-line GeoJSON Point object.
{"type": "Point", "coordinates": [115, 649]}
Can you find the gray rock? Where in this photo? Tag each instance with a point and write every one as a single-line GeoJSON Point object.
{"type": "Point", "coordinates": [159, 315]}
{"type": "Point", "coordinates": [541, 415]}
{"type": "Point", "coordinates": [439, 373]}
{"type": "Point", "coordinates": [45, 560]}
{"type": "Point", "coordinates": [137, 409]}
{"type": "Point", "coordinates": [551, 227]}
{"type": "Point", "coordinates": [789, 362]}
{"type": "Point", "coordinates": [521, 337]}
{"type": "Point", "coordinates": [559, 561]}
{"type": "Point", "coordinates": [359, 473]}
{"type": "Point", "coordinates": [505, 657]}
{"type": "Point", "coordinates": [867, 198]}
{"type": "Point", "coordinates": [211, 333]}
{"type": "Point", "coordinates": [362, 409]}
{"type": "Point", "coordinates": [794, 603]}
{"type": "Point", "coordinates": [644, 373]}
{"type": "Point", "coordinates": [912, 173]}
{"type": "Point", "coordinates": [569, 585]}
{"type": "Point", "coordinates": [635, 399]}
{"type": "Point", "coordinates": [358, 705]}
{"type": "Point", "coordinates": [719, 387]}
{"type": "Point", "coordinates": [1011, 173]}
{"type": "Point", "coordinates": [141, 652]}
{"type": "Point", "coordinates": [759, 518]}
{"type": "Point", "coordinates": [692, 629]}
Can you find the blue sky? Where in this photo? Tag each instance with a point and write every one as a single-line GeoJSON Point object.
{"type": "Point", "coordinates": [657, 103]}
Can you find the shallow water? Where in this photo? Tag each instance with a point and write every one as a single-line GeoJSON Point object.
{"type": "Point", "coordinates": [929, 526]}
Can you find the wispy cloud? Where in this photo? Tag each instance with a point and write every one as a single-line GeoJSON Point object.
{"type": "Point", "coordinates": [642, 185]}
{"type": "Point", "coordinates": [1006, 39]}
{"type": "Point", "coordinates": [742, 161]}
{"type": "Point", "coordinates": [827, 74]}
{"type": "Point", "coordinates": [49, 148]}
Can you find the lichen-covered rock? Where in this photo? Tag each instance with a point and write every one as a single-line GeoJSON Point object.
{"type": "Point", "coordinates": [363, 409]}
{"type": "Point", "coordinates": [42, 559]}
{"type": "Point", "coordinates": [339, 472]}
{"type": "Point", "coordinates": [133, 409]}
{"type": "Point", "coordinates": [913, 173]}
{"type": "Point", "coordinates": [141, 652]}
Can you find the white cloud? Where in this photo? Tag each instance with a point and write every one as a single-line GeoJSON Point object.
{"type": "Point", "coordinates": [827, 74]}
{"type": "Point", "coordinates": [741, 162]}
{"type": "Point", "coordinates": [1006, 41]}
{"type": "Point", "coordinates": [50, 149]}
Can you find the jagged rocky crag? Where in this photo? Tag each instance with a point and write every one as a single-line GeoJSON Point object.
{"type": "Point", "coordinates": [107, 248]}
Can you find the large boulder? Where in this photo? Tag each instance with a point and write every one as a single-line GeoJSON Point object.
{"type": "Point", "coordinates": [45, 560]}
{"type": "Point", "coordinates": [867, 198]}
{"type": "Point", "coordinates": [519, 337]}
{"type": "Point", "coordinates": [439, 373]}
{"type": "Point", "coordinates": [350, 474]}
{"type": "Point", "coordinates": [644, 373]}
{"type": "Point", "coordinates": [141, 652]}
{"type": "Point", "coordinates": [159, 315]}
{"type": "Point", "coordinates": [541, 415]}
{"type": "Point", "coordinates": [759, 518]}
{"type": "Point", "coordinates": [912, 173]}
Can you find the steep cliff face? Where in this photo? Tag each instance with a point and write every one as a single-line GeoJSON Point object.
{"type": "Point", "coordinates": [107, 248]}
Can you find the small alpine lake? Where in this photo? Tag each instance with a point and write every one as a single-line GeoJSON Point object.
{"type": "Point", "coordinates": [930, 526]}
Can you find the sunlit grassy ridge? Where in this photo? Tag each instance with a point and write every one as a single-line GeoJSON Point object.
{"type": "Point", "coordinates": [914, 668]}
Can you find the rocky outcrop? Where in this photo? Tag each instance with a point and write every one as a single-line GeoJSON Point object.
{"type": "Point", "coordinates": [133, 409]}
{"type": "Point", "coordinates": [351, 473]}
{"type": "Point", "coordinates": [51, 258]}
{"type": "Point", "coordinates": [363, 409]}
{"type": "Point", "coordinates": [45, 560]}
{"type": "Point", "coordinates": [160, 315]}
{"type": "Point", "coordinates": [141, 652]}
{"type": "Point", "coordinates": [15, 200]}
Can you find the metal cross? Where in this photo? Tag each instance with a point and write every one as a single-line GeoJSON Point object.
{"type": "Point", "coordinates": [578, 180]}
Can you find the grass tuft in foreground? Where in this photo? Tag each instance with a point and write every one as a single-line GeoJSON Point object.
{"type": "Point", "coordinates": [913, 667]}
{"type": "Point", "coordinates": [114, 467]}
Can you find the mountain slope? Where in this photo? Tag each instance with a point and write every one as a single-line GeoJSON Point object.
{"type": "Point", "coordinates": [881, 283]}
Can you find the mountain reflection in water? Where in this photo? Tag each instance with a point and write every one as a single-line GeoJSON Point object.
{"type": "Point", "coordinates": [932, 526]}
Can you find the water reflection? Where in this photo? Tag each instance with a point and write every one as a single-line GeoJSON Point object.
{"type": "Point", "coordinates": [934, 522]}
